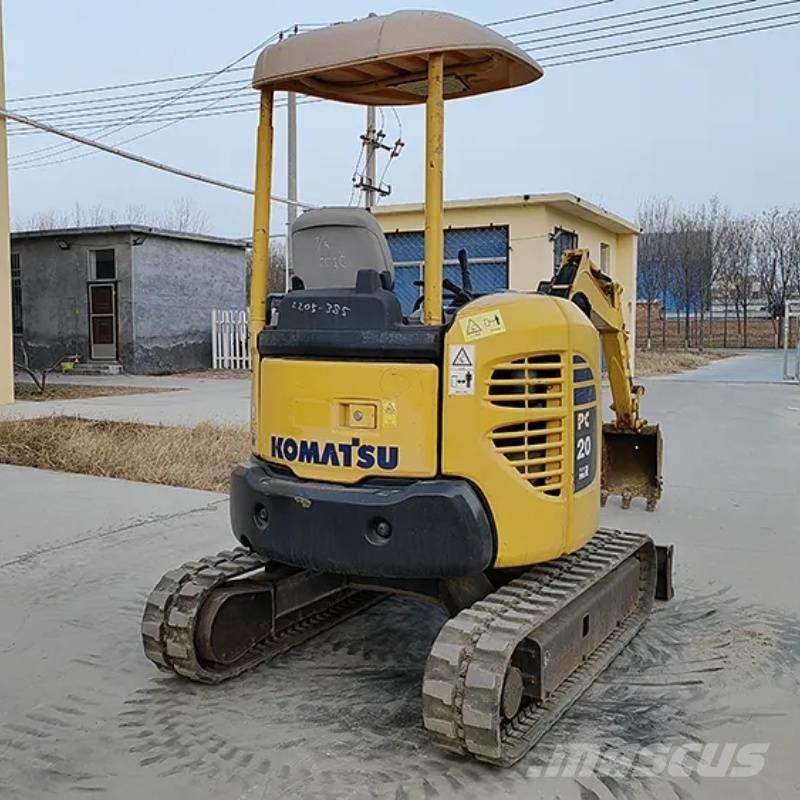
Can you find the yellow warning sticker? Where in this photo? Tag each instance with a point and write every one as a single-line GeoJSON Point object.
{"type": "Point", "coordinates": [390, 413]}
{"type": "Point", "coordinates": [479, 325]}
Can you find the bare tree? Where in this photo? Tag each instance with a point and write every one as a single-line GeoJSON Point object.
{"type": "Point", "coordinates": [183, 215]}
{"type": "Point", "coordinates": [655, 219]}
{"type": "Point", "coordinates": [733, 264]}
{"type": "Point", "coordinates": [277, 267]}
{"type": "Point", "coordinates": [136, 214]}
{"type": "Point", "coordinates": [39, 376]}
{"type": "Point", "coordinates": [45, 221]}
{"type": "Point", "coordinates": [689, 260]}
{"type": "Point", "coordinates": [714, 218]}
{"type": "Point", "coordinates": [776, 252]}
{"type": "Point", "coordinates": [740, 271]}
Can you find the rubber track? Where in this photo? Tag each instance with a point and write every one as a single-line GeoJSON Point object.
{"type": "Point", "coordinates": [464, 674]}
{"type": "Point", "coordinates": [173, 607]}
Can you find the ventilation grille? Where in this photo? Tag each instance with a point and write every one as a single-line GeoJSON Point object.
{"type": "Point", "coordinates": [534, 381]}
{"type": "Point", "coordinates": [536, 450]}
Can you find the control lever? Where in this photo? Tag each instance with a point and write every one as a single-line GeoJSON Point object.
{"type": "Point", "coordinates": [463, 263]}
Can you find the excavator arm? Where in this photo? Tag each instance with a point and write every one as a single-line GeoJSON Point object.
{"type": "Point", "coordinates": [631, 447]}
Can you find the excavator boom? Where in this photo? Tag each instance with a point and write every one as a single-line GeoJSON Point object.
{"type": "Point", "coordinates": [631, 447]}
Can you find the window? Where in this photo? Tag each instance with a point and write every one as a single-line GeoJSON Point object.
{"type": "Point", "coordinates": [605, 258]}
{"type": "Point", "coordinates": [562, 240]}
{"type": "Point", "coordinates": [16, 294]}
{"type": "Point", "coordinates": [103, 265]}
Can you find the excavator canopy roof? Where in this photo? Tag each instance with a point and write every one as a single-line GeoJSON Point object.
{"type": "Point", "coordinates": [383, 60]}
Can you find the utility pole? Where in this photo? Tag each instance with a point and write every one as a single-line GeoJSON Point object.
{"type": "Point", "coordinates": [6, 325]}
{"type": "Point", "coordinates": [372, 140]}
{"type": "Point", "coordinates": [291, 177]}
{"type": "Point", "coordinates": [369, 190]}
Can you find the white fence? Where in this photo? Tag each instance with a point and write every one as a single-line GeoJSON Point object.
{"type": "Point", "coordinates": [229, 348]}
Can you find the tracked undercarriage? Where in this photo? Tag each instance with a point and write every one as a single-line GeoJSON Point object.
{"type": "Point", "coordinates": [212, 619]}
{"type": "Point", "coordinates": [500, 673]}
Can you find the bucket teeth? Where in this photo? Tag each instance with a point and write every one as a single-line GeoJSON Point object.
{"type": "Point", "coordinates": [631, 464]}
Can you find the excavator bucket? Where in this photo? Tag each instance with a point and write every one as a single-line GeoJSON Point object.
{"type": "Point", "coordinates": [632, 464]}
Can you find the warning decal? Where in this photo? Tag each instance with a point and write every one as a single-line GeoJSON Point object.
{"type": "Point", "coordinates": [461, 369]}
{"type": "Point", "coordinates": [486, 324]}
{"type": "Point", "coordinates": [390, 413]}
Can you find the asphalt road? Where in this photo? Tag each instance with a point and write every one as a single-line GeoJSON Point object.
{"type": "Point", "coordinates": [83, 713]}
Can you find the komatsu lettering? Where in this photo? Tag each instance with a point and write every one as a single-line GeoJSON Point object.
{"type": "Point", "coordinates": [335, 454]}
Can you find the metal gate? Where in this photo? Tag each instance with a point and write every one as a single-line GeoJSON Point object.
{"type": "Point", "coordinates": [486, 247]}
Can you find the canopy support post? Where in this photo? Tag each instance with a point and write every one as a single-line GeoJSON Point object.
{"type": "Point", "coordinates": [434, 192]}
{"type": "Point", "coordinates": [259, 271]}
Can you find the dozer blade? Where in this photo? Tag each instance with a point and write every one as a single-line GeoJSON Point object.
{"type": "Point", "coordinates": [502, 672]}
{"type": "Point", "coordinates": [632, 464]}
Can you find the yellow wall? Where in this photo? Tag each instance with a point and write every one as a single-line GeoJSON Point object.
{"type": "Point", "coordinates": [530, 248]}
{"type": "Point", "coordinates": [6, 338]}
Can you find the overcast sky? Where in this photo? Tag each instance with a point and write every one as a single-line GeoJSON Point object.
{"type": "Point", "coordinates": [718, 117]}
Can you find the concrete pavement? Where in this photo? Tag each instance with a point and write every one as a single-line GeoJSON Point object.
{"type": "Point", "coordinates": [84, 712]}
{"type": "Point", "coordinates": [749, 366]}
{"type": "Point", "coordinates": [198, 398]}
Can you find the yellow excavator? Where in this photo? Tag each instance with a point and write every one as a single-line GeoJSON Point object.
{"type": "Point", "coordinates": [455, 454]}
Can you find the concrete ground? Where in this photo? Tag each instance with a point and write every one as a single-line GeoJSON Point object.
{"type": "Point", "coordinates": [84, 713]}
{"type": "Point", "coordinates": [199, 397]}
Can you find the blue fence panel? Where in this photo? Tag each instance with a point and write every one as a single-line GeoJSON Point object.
{"type": "Point", "coordinates": [404, 288]}
{"type": "Point", "coordinates": [480, 243]}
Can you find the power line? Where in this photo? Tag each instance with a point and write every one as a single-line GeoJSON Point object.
{"type": "Point", "coordinates": [604, 18]}
{"type": "Point", "coordinates": [148, 162]}
{"type": "Point", "coordinates": [114, 86]}
{"type": "Point", "coordinates": [665, 37]}
{"type": "Point", "coordinates": [157, 81]}
{"type": "Point", "coordinates": [122, 111]}
{"type": "Point", "coordinates": [121, 98]}
{"type": "Point", "coordinates": [77, 125]}
{"type": "Point", "coordinates": [750, 10]}
{"type": "Point", "coordinates": [729, 34]}
{"type": "Point", "coordinates": [219, 111]}
{"type": "Point", "coordinates": [109, 129]}
{"type": "Point", "coordinates": [546, 13]}
{"type": "Point", "coordinates": [27, 161]}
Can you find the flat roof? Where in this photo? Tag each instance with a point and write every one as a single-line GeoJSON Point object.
{"type": "Point", "coordinates": [564, 201]}
{"type": "Point", "coordinates": [146, 230]}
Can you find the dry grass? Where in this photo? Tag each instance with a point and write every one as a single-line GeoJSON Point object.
{"type": "Point", "coordinates": [199, 458]}
{"type": "Point", "coordinates": [76, 391]}
{"type": "Point", "coordinates": [657, 362]}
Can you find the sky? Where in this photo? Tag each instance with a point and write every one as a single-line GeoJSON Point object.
{"type": "Point", "coordinates": [716, 118]}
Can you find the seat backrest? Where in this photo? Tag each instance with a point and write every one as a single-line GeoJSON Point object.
{"type": "Point", "coordinates": [330, 246]}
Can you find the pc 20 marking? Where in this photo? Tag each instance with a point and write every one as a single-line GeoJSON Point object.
{"type": "Point", "coordinates": [585, 447]}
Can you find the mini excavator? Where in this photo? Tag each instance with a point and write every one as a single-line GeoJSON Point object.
{"type": "Point", "coordinates": [456, 454]}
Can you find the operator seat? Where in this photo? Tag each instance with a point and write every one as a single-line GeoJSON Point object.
{"type": "Point", "coordinates": [330, 245]}
{"type": "Point", "coordinates": [342, 302]}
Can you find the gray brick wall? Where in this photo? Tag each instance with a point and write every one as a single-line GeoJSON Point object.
{"type": "Point", "coordinates": [176, 284]}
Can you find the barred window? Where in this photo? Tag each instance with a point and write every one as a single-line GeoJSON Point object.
{"type": "Point", "coordinates": [16, 294]}
{"type": "Point", "coordinates": [562, 240]}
